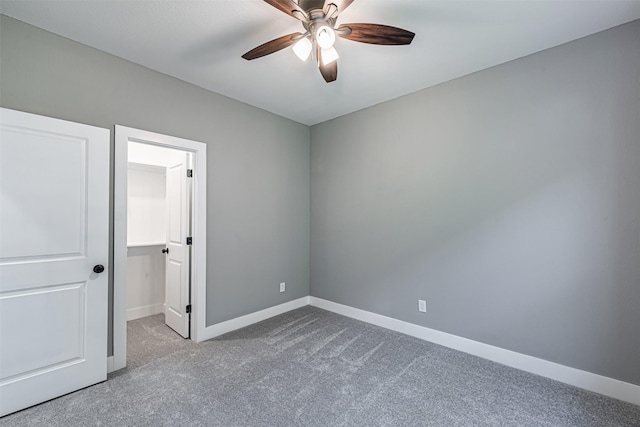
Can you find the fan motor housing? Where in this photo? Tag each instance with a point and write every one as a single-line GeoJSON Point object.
{"type": "Point", "coordinates": [309, 5]}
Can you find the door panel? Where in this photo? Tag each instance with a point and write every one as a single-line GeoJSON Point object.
{"type": "Point", "coordinates": [173, 296]}
{"type": "Point", "coordinates": [56, 229]}
{"type": "Point", "coordinates": [54, 181]}
{"type": "Point", "coordinates": [65, 305]}
{"type": "Point", "coordinates": [177, 279]}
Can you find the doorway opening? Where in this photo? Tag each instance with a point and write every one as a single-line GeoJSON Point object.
{"type": "Point", "coordinates": [159, 238]}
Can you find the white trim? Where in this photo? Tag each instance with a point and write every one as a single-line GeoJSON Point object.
{"type": "Point", "coordinates": [110, 364]}
{"type": "Point", "coordinates": [251, 318]}
{"type": "Point", "coordinates": [123, 135]}
{"type": "Point", "coordinates": [119, 358]}
{"type": "Point", "coordinates": [144, 311]}
{"type": "Point", "coordinates": [597, 383]}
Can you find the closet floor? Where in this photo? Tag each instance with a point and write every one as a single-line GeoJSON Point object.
{"type": "Point", "coordinates": [149, 339]}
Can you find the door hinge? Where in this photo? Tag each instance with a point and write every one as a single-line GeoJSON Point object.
{"type": "Point", "coordinates": [188, 308]}
{"type": "Point", "coordinates": [189, 240]}
{"type": "Point", "coordinates": [189, 173]}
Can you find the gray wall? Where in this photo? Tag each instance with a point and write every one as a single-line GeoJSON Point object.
{"type": "Point", "coordinates": [509, 199]}
{"type": "Point", "coordinates": [258, 163]}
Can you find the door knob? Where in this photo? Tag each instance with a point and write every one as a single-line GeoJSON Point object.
{"type": "Point", "coordinates": [165, 251]}
{"type": "Point", "coordinates": [98, 268]}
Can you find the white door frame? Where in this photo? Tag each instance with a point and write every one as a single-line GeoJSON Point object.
{"type": "Point", "coordinates": [123, 135]}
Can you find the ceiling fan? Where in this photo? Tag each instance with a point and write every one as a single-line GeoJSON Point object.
{"type": "Point", "coordinates": [318, 18]}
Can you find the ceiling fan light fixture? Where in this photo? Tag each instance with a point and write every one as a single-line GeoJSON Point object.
{"type": "Point", "coordinates": [302, 49]}
{"type": "Point", "coordinates": [325, 36]}
{"type": "Point", "coordinates": [319, 17]}
{"type": "Point", "coordinates": [329, 55]}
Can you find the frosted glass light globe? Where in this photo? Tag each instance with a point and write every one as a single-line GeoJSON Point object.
{"type": "Point", "coordinates": [329, 55]}
{"type": "Point", "coordinates": [302, 49]}
{"type": "Point", "coordinates": [325, 36]}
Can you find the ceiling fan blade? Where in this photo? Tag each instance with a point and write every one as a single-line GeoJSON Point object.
{"type": "Point", "coordinates": [329, 71]}
{"type": "Point", "coordinates": [340, 4]}
{"type": "Point", "coordinates": [375, 34]}
{"type": "Point", "coordinates": [289, 7]}
{"type": "Point", "coordinates": [272, 46]}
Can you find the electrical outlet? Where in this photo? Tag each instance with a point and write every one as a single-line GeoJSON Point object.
{"type": "Point", "coordinates": [282, 286]}
{"type": "Point", "coordinates": [422, 306]}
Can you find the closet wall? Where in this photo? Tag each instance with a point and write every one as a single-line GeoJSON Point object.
{"type": "Point", "coordinates": [146, 229]}
{"type": "Point", "coordinates": [146, 211]}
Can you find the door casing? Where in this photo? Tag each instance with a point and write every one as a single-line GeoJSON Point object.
{"type": "Point", "coordinates": [123, 135]}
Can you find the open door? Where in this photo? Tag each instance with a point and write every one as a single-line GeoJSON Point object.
{"type": "Point", "coordinates": [177, 305]}
{"type": "Point", "coordinates": [54, 219]}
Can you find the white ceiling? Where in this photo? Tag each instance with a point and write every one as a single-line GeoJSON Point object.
{"type": "Point", "coordinates": [201, 42]}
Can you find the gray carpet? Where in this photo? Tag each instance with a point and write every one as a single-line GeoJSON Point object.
{"type": "Point", "coordinates": [149, 339]}
{"type": "Point", "coordinates": [310, 367]}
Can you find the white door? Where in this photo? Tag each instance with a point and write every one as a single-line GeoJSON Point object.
{"type": "Point", "coordinates": [178, 255]}
{"type": "Point", "coordinates": [54, 209]}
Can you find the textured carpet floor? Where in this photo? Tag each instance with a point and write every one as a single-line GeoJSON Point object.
{"type": "Point", "coordinates": [149, 339]}
{"type": "Point", "coordinates": [310, 367]}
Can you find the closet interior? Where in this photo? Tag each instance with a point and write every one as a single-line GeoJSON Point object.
{"type": "Point", "coordinates": [150, 203]}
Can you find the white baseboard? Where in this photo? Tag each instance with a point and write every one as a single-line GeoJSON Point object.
{"type": "Point", "coordinates": [110, 367]}
{"type": "Point", "coordinates": [251, 318]}
{"type": "Point", "coordinates": [586, 380]}
{"type": "Point", "coordinates": [144, 311]}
